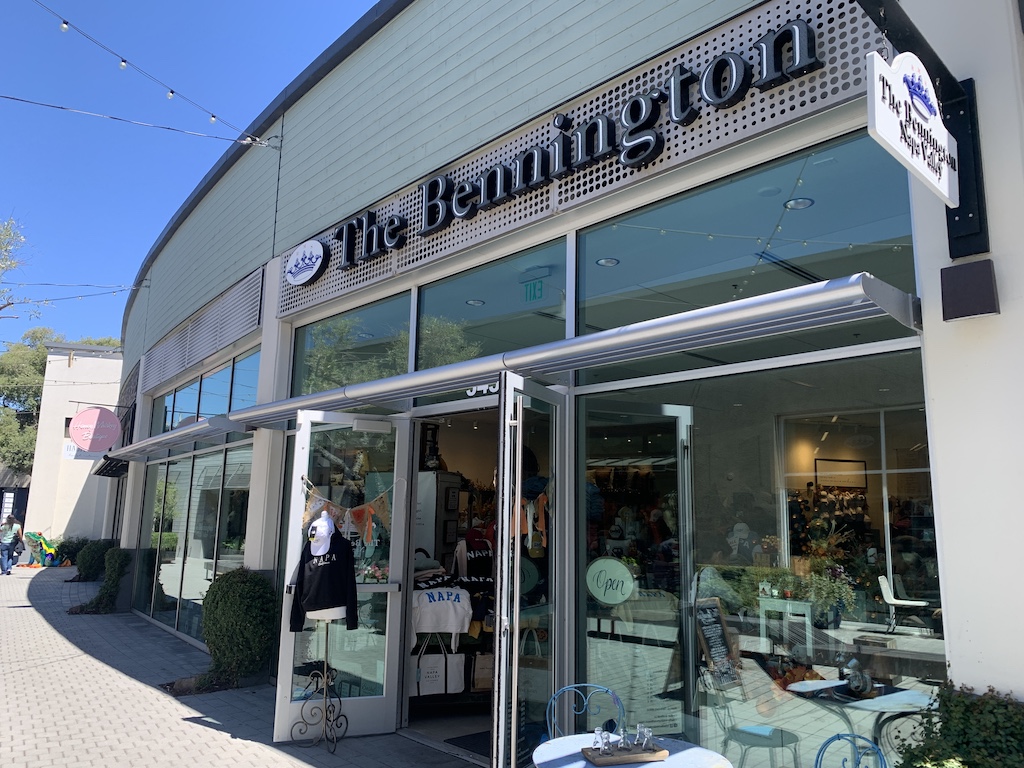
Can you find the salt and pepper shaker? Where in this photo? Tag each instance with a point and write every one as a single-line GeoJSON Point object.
{"type": "Point", "coordinates": [624, 744]}
{"type": "Point", "coordinates": [606, 743]}
{"type": "Point", "coordinates": [648, 741]}
{"type": "Point", "coordinates": [598, 741]}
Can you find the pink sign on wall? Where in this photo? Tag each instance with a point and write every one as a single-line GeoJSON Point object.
{"type": "Point", "coordinates": [95, 429]}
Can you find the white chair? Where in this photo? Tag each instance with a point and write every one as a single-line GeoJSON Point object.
{"type": "Point", "coordinates": [901, 591]}
{"type": "Point", "coordinates": [898, 607]}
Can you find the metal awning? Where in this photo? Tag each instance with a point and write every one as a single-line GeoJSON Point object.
{"type": "Point", "coordinates": [108, 467]}
{"type": "Point", "coordinates": [806, 307]}
{"type": "Point", "coordinates": [158, 445]}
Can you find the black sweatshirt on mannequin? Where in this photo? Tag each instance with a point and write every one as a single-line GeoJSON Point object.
{"type": "Point", "coordinates": [326, 581]}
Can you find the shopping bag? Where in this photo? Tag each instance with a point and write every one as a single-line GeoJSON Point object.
{"type": "Point", "coordinates": [483, 672]}
{"type": "Point", "coordinates": [535, 680]}
{"type": "Point", "coordinates": [434, 673]}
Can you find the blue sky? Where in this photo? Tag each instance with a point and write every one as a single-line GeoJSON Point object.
{"type": "Point", "coordinates": [92, 195]}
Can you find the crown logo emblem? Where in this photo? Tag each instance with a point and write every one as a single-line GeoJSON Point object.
{"type": "Point", "coordinates": [303, 264]}
{"type": "Point", "coordinates": [919, 96]}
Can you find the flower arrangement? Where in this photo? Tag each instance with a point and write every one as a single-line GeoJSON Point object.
{"type": "Point", "coordinates": [376, 572]}
{"type": "Point", "coordinates": [770, 544]}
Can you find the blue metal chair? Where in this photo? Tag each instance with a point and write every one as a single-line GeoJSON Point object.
{"type": "Point", "coordinates": [584, 699]}
{"type": "Point", "coordinates": [860, 748]}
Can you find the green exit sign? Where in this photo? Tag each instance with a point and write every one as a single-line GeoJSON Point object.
{"type": "Point", "coordinates": [533, 291]}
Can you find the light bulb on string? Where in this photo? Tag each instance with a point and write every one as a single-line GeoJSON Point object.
{"type": "Point", "coordinates": [123, 64]}
{"type": "Point", "coordinates": [63, 25]}
{"type": "Point", "coordinates": [213, 119]}
{"type": "Point", "coordinates": [170, 94]}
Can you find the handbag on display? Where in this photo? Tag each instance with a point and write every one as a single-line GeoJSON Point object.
{"type": "Point", "coordinates": [535, 680]}
{"type": "Point", "coordinates": [434, 673]}
{"type": "Point", "coordinates": [483, 672]}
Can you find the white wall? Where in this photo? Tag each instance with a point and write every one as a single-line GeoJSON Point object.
{"type": "Point", "coordinates": [64, 499]}
{"type": "Point", "coordinates": [973, 367]}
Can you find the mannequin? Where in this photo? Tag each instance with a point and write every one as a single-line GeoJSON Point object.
{"type": "Point", "coordinates": [325, 583]}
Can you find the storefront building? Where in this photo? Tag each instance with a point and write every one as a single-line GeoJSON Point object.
{"type": "Point", "coordinates": [621, 322]}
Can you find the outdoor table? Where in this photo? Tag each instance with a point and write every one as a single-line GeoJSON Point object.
{"type": "Point", "coordinates": [890, 704]}
{"type": "Point", "coordinates": [787, 608]}
{"type": "Point", "coordinates": [564, 752]}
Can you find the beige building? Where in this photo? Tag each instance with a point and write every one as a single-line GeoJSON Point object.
{"type": "Point", "coordinates": [65, 498]}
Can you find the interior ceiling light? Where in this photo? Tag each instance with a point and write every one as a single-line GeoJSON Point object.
{"type": "Point", "coordinates": [798, 203]}
{"type": "Point", "coordinates": [768, 191]}
{"type": "Point", "coordinates": [475, 302]}
{"type": "Point", "coordinates": [609, 262]}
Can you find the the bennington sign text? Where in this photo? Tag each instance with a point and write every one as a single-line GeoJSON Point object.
{"type": "Point", "coordinates": [632, 138]}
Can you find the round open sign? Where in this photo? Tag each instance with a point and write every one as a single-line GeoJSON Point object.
{"type": "Point", "coordinates": [95, 429]}
{"type": "Point", "coordinates": [610, 581]}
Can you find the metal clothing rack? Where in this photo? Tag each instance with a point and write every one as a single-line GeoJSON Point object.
{"type": "Point", "coordinates": [321, 718]}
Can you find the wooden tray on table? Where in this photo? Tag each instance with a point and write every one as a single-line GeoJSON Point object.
{"type": "Point", "coordinates": [623, 757]}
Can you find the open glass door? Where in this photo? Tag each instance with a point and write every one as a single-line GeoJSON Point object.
{"type": "Point", "coordinates": [346, 465]}
{"type": "Point", "coordinates": [532, 440]}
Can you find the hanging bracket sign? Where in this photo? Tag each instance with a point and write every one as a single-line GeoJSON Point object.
{"type": "Point", "coordinates": [904, 117]}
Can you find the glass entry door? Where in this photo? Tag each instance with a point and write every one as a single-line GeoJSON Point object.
{"type": "Point", "coordinates": [531, 480]}
{"type": "Point", "coordinates": [345, 467]}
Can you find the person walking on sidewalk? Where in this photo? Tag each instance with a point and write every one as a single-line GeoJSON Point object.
{"type": "Point", "coordinates": [10, 537]}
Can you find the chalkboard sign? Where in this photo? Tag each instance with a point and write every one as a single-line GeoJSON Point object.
{"type": "Point", "coordinates": [715, 643]}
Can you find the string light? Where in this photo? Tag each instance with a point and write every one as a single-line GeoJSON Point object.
{"type": "Point", "coordinates": [123, 63]}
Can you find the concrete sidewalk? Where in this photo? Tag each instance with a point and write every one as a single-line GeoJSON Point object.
{"type": "Point", "coordinates": [83, 691]}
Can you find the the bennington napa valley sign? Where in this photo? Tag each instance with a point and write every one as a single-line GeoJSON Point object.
{"type": "Point", "coordinates": [785, 54]}
{"type": "Point", "coordinates": [903, 116]}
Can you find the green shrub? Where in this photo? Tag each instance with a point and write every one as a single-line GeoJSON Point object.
{"type": "Point", "coordinates": [68, 548]}
{"type": "Point", "coordinates": [166, 541]}
{"type": "Point", "coordinates": [91, 561]}
{"type": "Point", "coordinates": [115, 564]}
{"type": "Point", "coordinates": [240, 623]}
{"type": "Point", "coordinates": [965, 729]}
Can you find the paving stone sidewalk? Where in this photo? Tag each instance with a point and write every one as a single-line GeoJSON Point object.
{"type": "Point", "coordinates": [83, 691]}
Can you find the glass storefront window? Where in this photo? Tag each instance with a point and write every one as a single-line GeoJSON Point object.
{"type": "Point", "coordinates": [161, 419]}
{"type": "Point", "coordinates": [172, 500]}
{"type": "Point", "coordinates": [186, 404]}
{"type": "Point", "coordinates": [700, 489]}
{"type": "Point", "coordinates": [839, 209]}
{"type": "Point", "coordinates": [516, 302]}
{"type": "Point", "coordinates": [243, 380]}
{"type": "Point", "coordinates": [368, 343]}
{"type": "Point", "coordinates": [234, 509]}
{"type": "Point", "coordinates": [200, 541]}
{"type": "Point", "coordinates": [149, 538]}
{"type": "Point", "coordinates": [213, 392]}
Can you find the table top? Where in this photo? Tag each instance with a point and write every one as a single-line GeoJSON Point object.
{"type": "Point", "coordinates": [564, 752]}
{"type": "Point", "coordinates": [782, 604]}
{"type": "Point", "coordinates": [902, 700]}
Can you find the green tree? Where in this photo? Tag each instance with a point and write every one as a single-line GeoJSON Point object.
{"type": "Point", "coordinates": [22, 370]}
{"type": "Point", "coordinates": [11, 241]}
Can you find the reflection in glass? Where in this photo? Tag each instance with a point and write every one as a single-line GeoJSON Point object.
{"type": "Point", "coordinates": [172, 499]}
{"type": "Point", "coordinates": [207, 473]}
{"type": "Point", "coordinates": [694, 251]}
{"type": "Point", "coordinates": [357, 656]}
{"type": "Point", "coordinates": [368, 343]}
{"type": "Point", "coordinates": [234, 509]}
{"type": "Point", "coordinates": [512, 303]}
{"type": "Point", "coordinates": [213, 392]}
{"type": "Point", "coordinates": [186, 404]}
{"type": "Point", "coordinates": [355, 471]}
{"type": "Point", "coordinates": [752, 444]}
{"type": "Point", "coordinates": [243, 380]}
{"type": "Point", "coordinates": [149, 539]}
{"type": "Point", "coordinates": [161, 419]}
{"type": "Point", "coordinates": [534, 539]}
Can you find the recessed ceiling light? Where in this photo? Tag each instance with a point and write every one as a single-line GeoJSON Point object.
{"type": "Point", "coordinates": [798, 203]}
{"type": "Point", "coordinates": [364, 335]}
{"type": "Point", "coordinates": [475, 302]}
{"type": "Point", "coordinates": [609, 262]}
{"type": "Point", "coordinates": [768, 191]}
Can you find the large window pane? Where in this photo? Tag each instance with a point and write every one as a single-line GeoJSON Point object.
{"type": "Point", "coordinates": [513, 303]}
{"type": "Point", "coordinates": [243, 381]}
{"type": "Point", "coordinates": [362, 345]}
{"type": "Point", "coordinates": [172, 499]}
{"type": "Point", "coordinates": [213, 392]}
{"type": "Point", "coordinates": [149, 538]}
{"type": "Point", "coordinates": [186, 404]}
{"type": "Point", "coordinates": [161, 418]}
{"type": "Point", "coordinates": [234, 509]}
{"type": "Point", "coordinates": [840, 209]}
{"type": "Point", "coordinates": [747, 534]}
{"type": "Point", "coordinates": [200, 541]}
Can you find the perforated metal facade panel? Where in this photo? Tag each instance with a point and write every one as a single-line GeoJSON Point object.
{"type": "Point", "coordinates": [844, 36]}
{"type": "Point", "coordinates": [227, 319]}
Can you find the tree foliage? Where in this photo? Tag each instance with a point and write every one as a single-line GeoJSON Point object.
{"type": "Point", "coordinates": [11, 241]}
{"type": "Point", "coordinates": [22, 370]}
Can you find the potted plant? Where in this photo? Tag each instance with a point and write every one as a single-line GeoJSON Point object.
{"type": "Point", "coordinates": [831, 593]}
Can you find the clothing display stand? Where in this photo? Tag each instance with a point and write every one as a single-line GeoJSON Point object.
{"type": "Point", "coordinates": [322, 706]}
